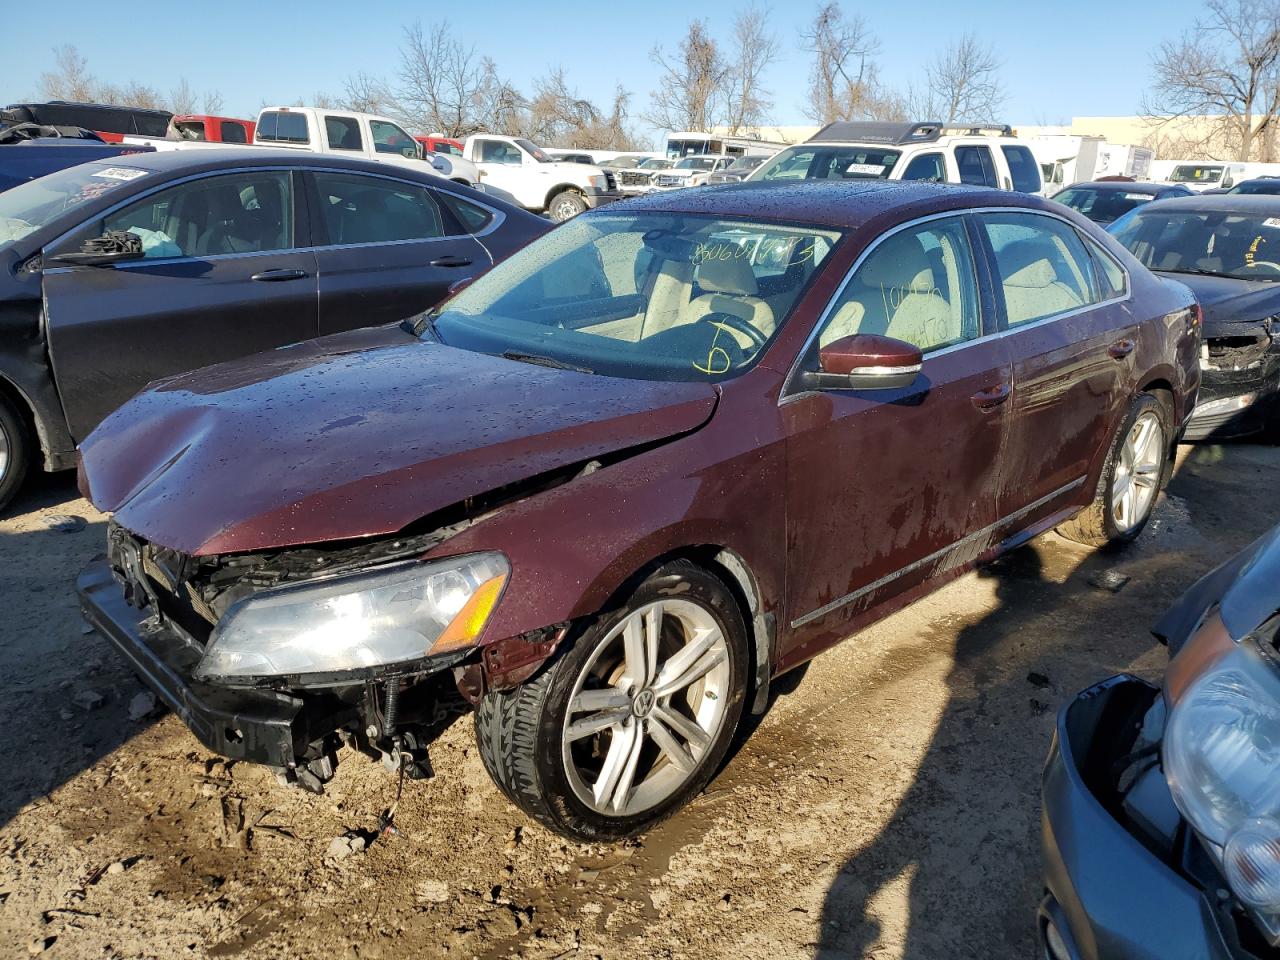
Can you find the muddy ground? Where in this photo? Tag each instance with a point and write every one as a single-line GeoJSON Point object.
{"type": "Point", "coordinates": [887, 806]}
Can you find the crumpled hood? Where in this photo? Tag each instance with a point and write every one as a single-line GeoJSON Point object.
{"type": "Point", "coordinates": [1228, 302]}
{"type": "Point", "coordinates": [355, 435]}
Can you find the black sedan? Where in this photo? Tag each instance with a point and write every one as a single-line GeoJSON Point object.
{"type": "Point", "coordinates": [1105, 201]}
{"type": "Point", "coordinates": [1268, 186]}
{"type": "Point", "coordinates": [118, 272]}
{"type": "Point", "coordinates": [1227, 250]}
{"type": "Point", "coordinates": [1161, 821]}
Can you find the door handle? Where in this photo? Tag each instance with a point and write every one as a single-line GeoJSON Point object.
{"type": "Point", "coordinates": [1121, 349]}
{"type": "Point", "coordinates": [276, 276]}
{"type": "Point", "coordinates": [988, 398]}
{"type": "Point", "coordinates": [451, 262]}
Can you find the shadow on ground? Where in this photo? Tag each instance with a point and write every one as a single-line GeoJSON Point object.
{"type": "Point", "coordinates": [937, 850]}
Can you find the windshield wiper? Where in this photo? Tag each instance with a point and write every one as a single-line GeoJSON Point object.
{"type": "Point", "coordinates": [542, 361]}
{"type": "Point", "coordinates": [424, 323]}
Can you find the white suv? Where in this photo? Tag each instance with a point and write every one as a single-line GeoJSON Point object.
{"type": "Point", "coordinates": [855, 150]}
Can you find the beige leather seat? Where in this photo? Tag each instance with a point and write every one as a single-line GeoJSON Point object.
{"type": "Point", "coordinates": [730, 287]}
{"type": "Point", "coordinates": [1034, 289]}
{"type": "Point", "coordinates": [895, 293]}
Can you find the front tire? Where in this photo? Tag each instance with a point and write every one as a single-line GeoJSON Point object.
{"type": "Point", "coordinates": [15, 451]}
{"type": "Point", "coordinates": [566, 205]}
{"type": "Point", "coordinates": [629, 723]}
{"type": "Point", "coordinates": [1136, 470]}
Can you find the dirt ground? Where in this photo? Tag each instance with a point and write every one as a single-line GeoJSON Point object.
{"type": "Point", "coordinates": [887, 805]}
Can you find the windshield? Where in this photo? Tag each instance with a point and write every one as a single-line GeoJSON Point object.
{"type": "Point", "coordinates": [1193, 173]}
{"type": "Point", "coordinates": [654, 163]}
{"type": "Point", "coordinates": [647, 296]}
{"type": "Point", "coordinates": [29, 206]}
{"type": "Point", "coordinates": [746, 163]}
{"type": "Point", "coordinates": [1102, 206]}
{"type": "Point", "coordinates": [695, 163]}
{"type": "Point", "coordinates": [1260, 187]}
{"type": "Point", "coordinates": [1243, 246]}
{"type": "Point", "coordinates": [535, 151]}
{"type": "Point", "coordinates": [810, 162]}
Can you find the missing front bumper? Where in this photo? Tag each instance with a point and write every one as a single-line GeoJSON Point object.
{"type": "Point", "coordinates": [262, 726]}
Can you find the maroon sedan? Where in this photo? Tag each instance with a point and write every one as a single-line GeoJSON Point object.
{"type": "Point", "coordinates": [609, 491]}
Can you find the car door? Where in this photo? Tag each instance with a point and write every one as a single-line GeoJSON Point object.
{"type": "Point", "coordinates": [386, 249]}
{"type": "Point", "coordinates": [225, 273]}
{"type": "Point", "coordinates": [1070, 338]}
{"type": "Point", "coordinates": [889, 489]}
{"type": "Point", "coordinates": [501, 167]}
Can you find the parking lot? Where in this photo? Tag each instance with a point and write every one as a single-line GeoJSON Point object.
{"type": "Point", "coordinates": [886, 806]}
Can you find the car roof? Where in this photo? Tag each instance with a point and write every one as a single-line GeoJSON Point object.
{"type": "Point", "coordinates": [202, 159]}
{"type": "Point", "coordinates": [1255, 203]}
{"type": "Point", "coordinates": [840, 204]}
{"type": "Point", "coordinates": [1127, 186]}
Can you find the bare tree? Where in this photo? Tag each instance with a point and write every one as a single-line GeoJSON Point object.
{"type": "Point", "coordinates": [962, 85]}
{"type": "Point", "coordinates": [440, 81]}
{"type": "Point", "coordinates": [367, 94]}
{"type": "Point", "coordinates": [842, 80]}
{"type": "Point", "coordinates": [497, 105]}
{"type": "Point", "coordinates": [1224, 66]}
{"type": "Point", "coordinates": [692, 84]}
{"type": "Point", "coordinates": [182, 99]}
{"type": "Point", "coordinates": [212, 101]}
{"type": "Point", "coordinates": [70, 78]}
{"type": "Point", "coordinates": [755, 49]}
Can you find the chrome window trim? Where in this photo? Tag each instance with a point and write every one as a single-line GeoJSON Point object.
{"type": "Point", "coordinates": [498, 216]}
{"type": "Point", "coordinates": [888, 578]}
{"type": "Point", "coordinates": [788, 393]}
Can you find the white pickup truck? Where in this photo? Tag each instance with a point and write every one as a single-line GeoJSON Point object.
{"type": "Point", "coordinates": [520, 172]}
{"type": "Point", "coordinates": [354, 135]}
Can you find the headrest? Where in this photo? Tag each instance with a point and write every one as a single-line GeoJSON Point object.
{"type": "Point", "coordinates": [899, 262]}
{"type": "Point", "coordinates": [1029, 263]}
{"type": "Point", "coordinates": [733, 277]}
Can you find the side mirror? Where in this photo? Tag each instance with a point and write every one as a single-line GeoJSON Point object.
{"type": "Point", "coordinates": [865, 361]}
{"type": "Point", "coordinates": [115, 246]}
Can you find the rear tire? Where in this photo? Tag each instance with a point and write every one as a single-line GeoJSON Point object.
{"type": "Point", "coordinates": [15, 450]}
{"type": "Point", "coordinates": [566, 205]}
{"type": "Point", "coordinates": [611, 738]}
{"type": "Point", "coordinates": [1135, 472]}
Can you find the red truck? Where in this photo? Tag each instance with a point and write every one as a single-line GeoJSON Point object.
{"type": "Point", "coordinates": [214, 129]}
{"type": "Point", "coordinates": [441, 145]}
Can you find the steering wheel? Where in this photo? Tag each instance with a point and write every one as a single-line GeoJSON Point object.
{"type": "Point", "coordinates": [1269, 264]}
{"type": "Point", "coordinates": [737, 324]}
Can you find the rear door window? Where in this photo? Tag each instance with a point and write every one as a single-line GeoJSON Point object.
{"type": "Point", "coordinates": [976, 165]}
{"type": "Point", "coordinates": [366, 209]}
{"type": "Point", "coordinates": [233, 132]}
{"type": "Point", "coordinates": [1022, 167]}
{"type": "Point", "coordinates": [1043, 266]}
{"type": "Point", "coordinates": [926, 166]}
{"type": "Point", "coordinates": [343, 133]}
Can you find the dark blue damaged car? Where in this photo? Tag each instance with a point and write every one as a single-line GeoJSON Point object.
{"type": "Point", "coordinates": [1161, 817]}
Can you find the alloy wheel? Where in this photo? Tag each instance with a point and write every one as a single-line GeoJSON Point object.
{"type": "Point", "coordinates": [646, 707]}
{"type": "Point", "coordinates": [1137, 472]}
{"type": "Point", "coordinates": [5, 447]}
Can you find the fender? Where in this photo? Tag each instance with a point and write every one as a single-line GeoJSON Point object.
{"type": "Point", "coordinates": [25, 371]}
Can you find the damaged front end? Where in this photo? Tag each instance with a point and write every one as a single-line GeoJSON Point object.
{"type": "Point", "coordinates": [1240, 379]}
{"type": "Point", "coordinates": [282, 657]}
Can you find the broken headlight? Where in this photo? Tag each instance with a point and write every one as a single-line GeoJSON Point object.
{"type": "Point", "coordinates": [396, 614]}
{"type": "Point", "coordinates": [1222, 760]}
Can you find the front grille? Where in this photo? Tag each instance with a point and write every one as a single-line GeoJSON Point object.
{"type": "Point", "coordinates": [610, 181]}
{"type": "Point", "coordinates": [1236, 353]}
{"type": "Point", "coordinates": [161, 577]}
{"type": "Point", "coordinates": [665, 180]}
{"type": "Point", "coordinates": [634, 178]}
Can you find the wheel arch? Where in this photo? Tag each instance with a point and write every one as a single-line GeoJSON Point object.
{"type": "Point", "coordinates": [27, 411]}
{"type": "Point", "coordinates": [561, 188]}
{"type": "Point", "coordinates": [733, 569]}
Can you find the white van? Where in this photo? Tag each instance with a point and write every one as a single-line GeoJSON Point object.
{"type": "Point", "coordinates": [857, 150]}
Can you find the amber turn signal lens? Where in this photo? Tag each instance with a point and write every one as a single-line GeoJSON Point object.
{"type": "Point", "coordinates": [464, 629]}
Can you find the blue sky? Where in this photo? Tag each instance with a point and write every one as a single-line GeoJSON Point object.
{"type": "Point", "coordinates": [1088, 57]}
